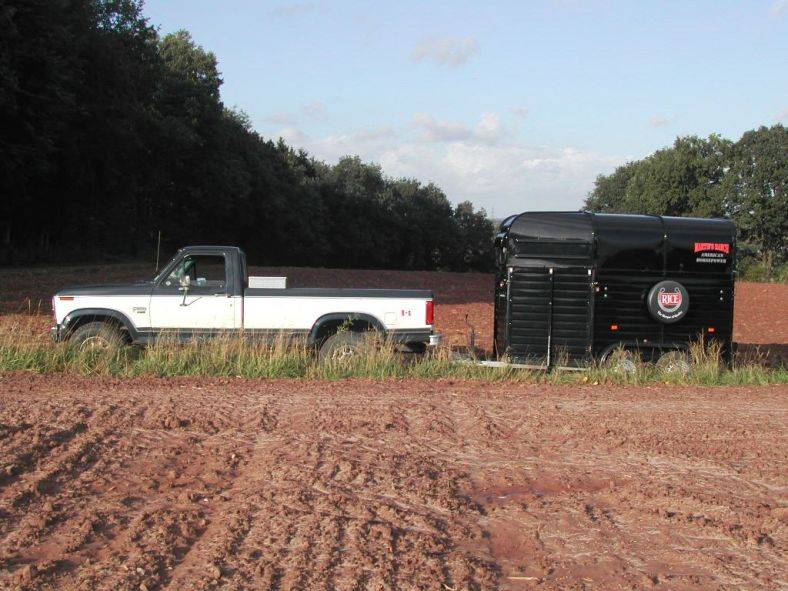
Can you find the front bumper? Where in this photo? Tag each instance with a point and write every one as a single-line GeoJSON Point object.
{"type": "Point", "coordinates": [57, 333]}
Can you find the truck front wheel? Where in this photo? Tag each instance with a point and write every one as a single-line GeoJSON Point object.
{"type": "Point", "coordinates": [97, 336]}
{"type": "Point", "coordinates": [343, 346]}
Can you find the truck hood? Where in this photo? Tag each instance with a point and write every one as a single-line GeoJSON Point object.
{"type": "Point", "coordinates": [143, 288]}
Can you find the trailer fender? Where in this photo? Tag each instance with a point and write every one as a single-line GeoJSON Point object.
{"type": "Point", "coordinates": [637, 346]}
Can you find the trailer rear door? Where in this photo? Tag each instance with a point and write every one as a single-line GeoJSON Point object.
{"type": "Point", "coordinates": [549, 315]}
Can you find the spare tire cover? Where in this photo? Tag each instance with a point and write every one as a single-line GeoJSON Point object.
{"type": "Point", "coordinates": [668, 301]}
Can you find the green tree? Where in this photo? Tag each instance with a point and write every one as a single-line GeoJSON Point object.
{"type": "Point", "coordinates": [476, 233]}
{"type": "Point", "coordinates": [745, 181]}
{"type": "Point", "coordinates": [760, 175]}
{"type": "Point", "coordinates": [688, 178]}
{"type": "Point", "coordinates": [111, 133]}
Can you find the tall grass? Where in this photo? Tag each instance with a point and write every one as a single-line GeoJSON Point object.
{"type": "Point", "coordinates": [231, 355]}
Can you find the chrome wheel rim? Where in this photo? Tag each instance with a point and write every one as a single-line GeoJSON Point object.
{"type": "Point", "coordinates": [622, 362]}
{"type": "Point", "coordinates": [94, 343]}
{"type": "Point", "coordinates": [343, 353]}
{"type": "Point", "coordinates": [673, 365]}
{"type": "Point", "coordinates": [626, 366]}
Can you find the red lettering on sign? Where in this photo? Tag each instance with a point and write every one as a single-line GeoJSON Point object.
{"type": "Point", "coordinates": [716, 246]}
{"type": "Point", "coordinates": [670, 299]}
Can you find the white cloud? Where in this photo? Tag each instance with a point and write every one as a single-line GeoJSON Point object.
{"type": "Point", "coordinates": [521, 112]}
{"type": "Point", "coordinates": [482, 164]}
{"type": "Point", "coordinates": [280, 118]}
{"type": "Point", "coordinates": [373, 140]}
{"type": "Point", "coordinates": [488, 130]}
{"type": "Point", "coordinates": [293, 136]}
{"type": "Point", "coordinates": [288, 9]}
{"type": "Point", "coordinates": [315, 110]}
{"type": "Point", "coordinates": [660, 120]}
{"type": "Point", "coordinates": [506, 178]}
{"type": "Point", "coordinates": [440, 131]}
{"type": "Point", "coordinates": [779, 7]}
{"type": "Point", "coordinates": [445, 51]}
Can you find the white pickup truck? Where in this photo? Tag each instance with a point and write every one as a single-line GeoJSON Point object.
{"type": "Point", "coordinates": [205, 291]}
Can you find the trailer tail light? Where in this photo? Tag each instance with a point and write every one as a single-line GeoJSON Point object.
{"type": "Point", "coordinates": [614, 327]}
{"type": "Point", "coordinates": [65, 298]}
{"type": "Point", "coordinates": [711, 330]}
{"type": "Point", "coordinates": [430, 312]}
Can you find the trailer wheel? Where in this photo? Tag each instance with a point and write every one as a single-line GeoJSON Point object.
{"type": "Point", "coordinates": [674, 363]}
{"type": "Point", "coordinates": [621, 361]}
{"type": "Point", "coordinates": [343, 346]}
{"type": "Point", "coordinates": [97, 336]}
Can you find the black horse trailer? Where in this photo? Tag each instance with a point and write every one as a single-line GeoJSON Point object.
{"type": "Point", "coordinates": [573, 287]}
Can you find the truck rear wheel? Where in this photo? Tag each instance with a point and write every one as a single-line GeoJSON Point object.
{"type": "Point", "coordinates": [97, 336]}
{"type": "Point", "coordinates": [343, 346]}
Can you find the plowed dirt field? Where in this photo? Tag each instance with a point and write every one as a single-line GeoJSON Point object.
{"type": "Point", "coordinates": [231, 484]}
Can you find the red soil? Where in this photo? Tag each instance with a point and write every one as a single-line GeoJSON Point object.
{"type": "Point", "coordinates": [232, 484]}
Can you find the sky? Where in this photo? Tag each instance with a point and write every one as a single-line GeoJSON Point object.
{"type": "Point", "coordinates": [511, 105]}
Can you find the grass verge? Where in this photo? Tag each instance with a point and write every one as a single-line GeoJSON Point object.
{"type": "Point", "coordinates": [234, 356]}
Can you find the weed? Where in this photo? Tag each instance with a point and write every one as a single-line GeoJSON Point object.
{"type": "Point", "coordinates": [234, 355]}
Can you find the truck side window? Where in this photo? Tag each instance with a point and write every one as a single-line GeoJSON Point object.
{"type": "Point", "coordinates": [203, 271]}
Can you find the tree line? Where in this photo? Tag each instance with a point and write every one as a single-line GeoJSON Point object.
{"type": "Point", "coordinates": [745, 180]}
{"type": "Point", "coordinates": [111, 133]}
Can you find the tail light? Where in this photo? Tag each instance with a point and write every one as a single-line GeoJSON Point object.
{"type": "Point", "coordinates": [430, 312]}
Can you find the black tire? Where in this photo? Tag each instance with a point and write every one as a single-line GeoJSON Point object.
{"type": "Point", "coordinates": [621, 361]}
{"type": "Point", "coordinates": [674, 362]}
{"type": "Point", "coordinates": [343, 346]}
{"type": "Point", "coordinates": [98, 336]}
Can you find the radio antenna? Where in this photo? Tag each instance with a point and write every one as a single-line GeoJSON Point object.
{"type": "Point", "coordinates": [158, 250]}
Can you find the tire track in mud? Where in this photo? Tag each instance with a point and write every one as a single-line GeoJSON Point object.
{"type": "Point", "coordinates": [73, 453]}
{"type": "Point", "coordinates": [229, 512]}
{"type": "Point", "coordinates": [322, 511]}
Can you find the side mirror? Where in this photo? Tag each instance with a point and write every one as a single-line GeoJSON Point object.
{"type": "Point", "coordinates": [185, 281]}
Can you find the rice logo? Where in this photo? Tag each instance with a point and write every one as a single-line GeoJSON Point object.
{"type": "Point", "coordinates": [668, 301]}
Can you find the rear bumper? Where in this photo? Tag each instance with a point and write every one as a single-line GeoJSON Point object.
{"type": "Point", "coordinates": [423, 337]}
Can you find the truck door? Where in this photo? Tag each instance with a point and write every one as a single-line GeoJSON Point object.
{"type": "Point", "coordinates": [203, 302]}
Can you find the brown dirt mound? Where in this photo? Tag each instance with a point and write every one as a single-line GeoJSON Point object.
{"type": "Point", "coordinates": [232, 484]}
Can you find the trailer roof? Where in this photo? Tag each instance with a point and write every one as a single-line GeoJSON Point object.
{"type": "Point", "coordinates": [582, 225]}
